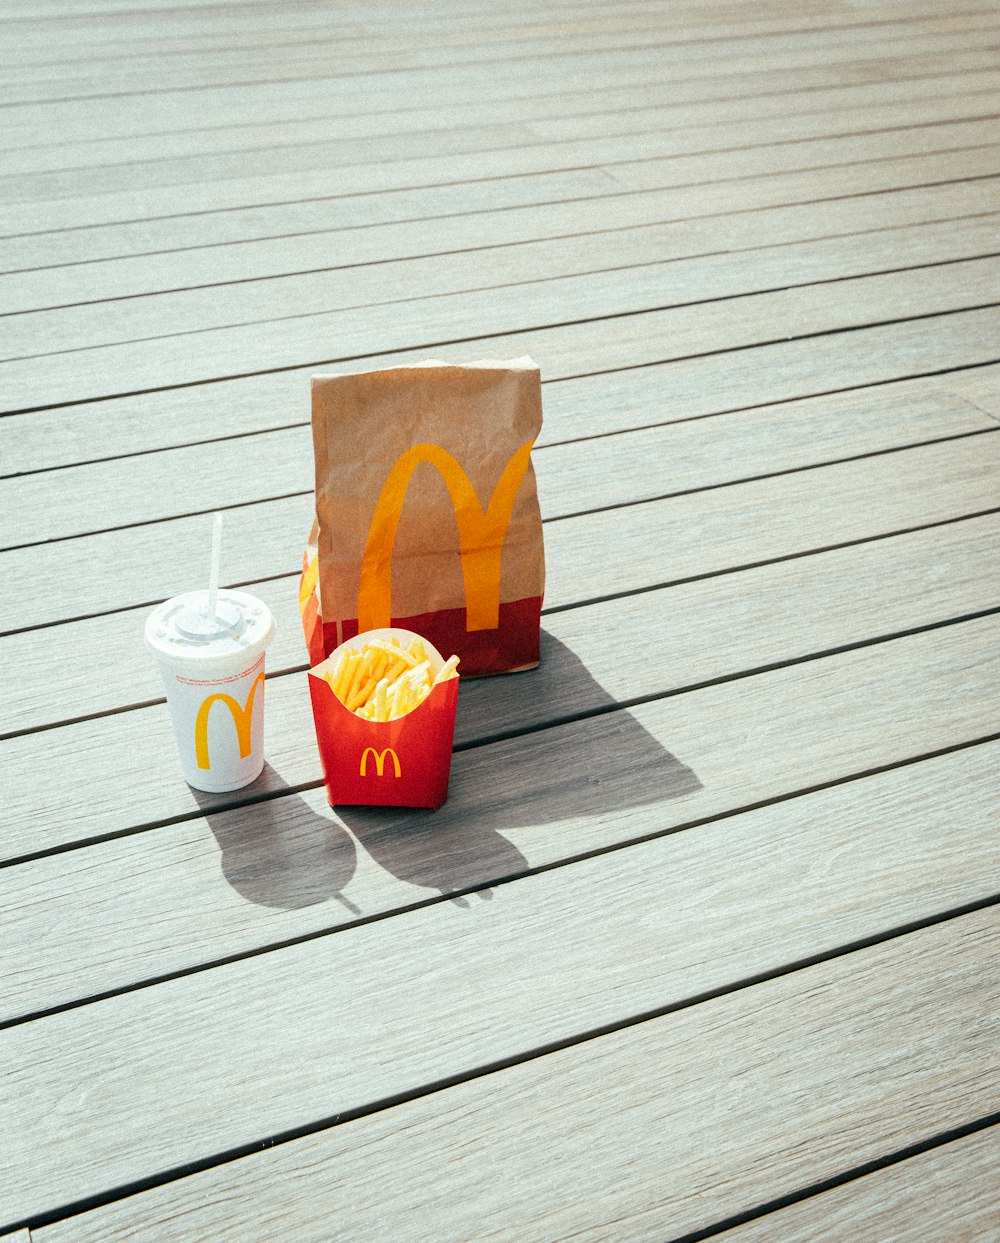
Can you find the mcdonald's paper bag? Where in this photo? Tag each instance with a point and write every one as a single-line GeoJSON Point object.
{"type": "Point", "coordinates": [426, 510]}
{"type": "Point", "coordinates": [405, 762]}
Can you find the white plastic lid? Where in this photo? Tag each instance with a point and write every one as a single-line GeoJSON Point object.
{"type": "Point", "coordinates": [181, 630]}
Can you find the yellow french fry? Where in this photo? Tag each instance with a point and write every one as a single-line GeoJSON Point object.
{"type": "Point", "coordinates": [381, 707]}
{"type": "Point", "coordinates": [419, 673]}
{"type": "Point", "coordinates": [395, 669]}
{"type": "Point", "coordinates": [364, 691]}
{"type": "Point", "coordinates": [404, 700]}
{"type": "Point", "coordinates": [335, 675]}
{"type": "Point", "coordinates": [392, 648]}
{"type": "Point", "coordinates": [447, 670]}
{"type": "Point", "coordinates": [382, 681]}
{"type": "Point", "coordinates": [356, 676]}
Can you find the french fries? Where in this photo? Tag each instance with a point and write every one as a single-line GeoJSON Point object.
{"type": "Point", "coordinates": [383, 680]}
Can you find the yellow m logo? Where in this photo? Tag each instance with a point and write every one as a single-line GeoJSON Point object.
{"type": "Point", "coordinates": [379, 757]}
{"type": "Point", "coordinates": [480, 535]}
{"type": "Point", "coordinates": [242, 719]}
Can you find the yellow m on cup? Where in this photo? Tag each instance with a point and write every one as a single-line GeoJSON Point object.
{"type": "Point", "coordinates": [379, 757]}
{"type": "Point", "coordinates": [242, 719]}
{"type": "Point", "coordinates": [481, 535]}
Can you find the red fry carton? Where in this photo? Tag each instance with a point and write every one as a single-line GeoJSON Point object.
{"type": "Point", "coordinates": [401, 763]}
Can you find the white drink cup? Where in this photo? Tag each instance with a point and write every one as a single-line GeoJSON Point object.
{"type": "Point", "coordinates": [213, 672]}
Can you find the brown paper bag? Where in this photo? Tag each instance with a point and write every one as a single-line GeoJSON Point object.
{"type": "Point", "coordinates": [426, 511]}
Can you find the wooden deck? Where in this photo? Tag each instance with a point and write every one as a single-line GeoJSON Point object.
{"type": "Point", "coordinates": [705, 940]}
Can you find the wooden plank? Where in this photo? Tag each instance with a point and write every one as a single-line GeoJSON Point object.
{"type": "Point", "coordinates": [297, 102]}
{"type": "Point", "coordinates": [540, 232]}
{"type": "Point", "coordinates": [471, 37]}
{"type": "Point", "coordinates": [832, 504]}
{"type": "Point", "coordinates": [283, 40]}
{"type": "Point", "coordinates": [150, 904]}
{"type": "Point", "coordinates": [209, 62]}
{"type": "Point", "coordinates": [740, 1100]}
{"type": "Point", "coordinates": [134, 173]}
{"type": "Point", "coordinates": [558, 203]}
{"type": "Point", "coordinates": [300, 99]}
{"type": "Point", "coordinates": [646, 174]}
{"type": "Point", "coordinates": [607, 401]}
{"type": "Point", "coordinates": [302, 1036]}
{"type": "Point", "coordinates": [590, 404]}
{"type": "Point", "coordinates": [944, 1194]}
{"type": "Point", "coordinates": [402, 72]}
{"type": "Point", "coordinates": [260, 22]}
{"type": "Point", "coordinates": [699, 269]}
{"type": "Point", "coordinates": [176, 67]}
{"type": "Point", "coordinates": [702, 453]}
{"type": "Point", "coordinates": [582, 110]}
{"type": "Point", "coordinates": [42, 688]}
{"type": "Point", "coordinates": [956, 706]}
{"type": "Point", "coordinates": [190, 19]}
{"type": "Point", "coordinates": [637, 162]}
{"type": "Point", "coordinates": [330, 339]}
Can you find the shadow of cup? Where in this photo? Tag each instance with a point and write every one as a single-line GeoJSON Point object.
{"type": "Point", "coordinates": [281, 852]}
{"type": "Point", "coordinates": [598, 761]}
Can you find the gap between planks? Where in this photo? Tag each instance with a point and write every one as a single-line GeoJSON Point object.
{"type": "Point", "coordinates": [471, 33]}
{"type": "Point", "coordinates": [390, 260]}
{"type": "Point", "coordinates": [601, 402]}
{"type": "Point", "coordinates": [940, 1193]}
{"type": "Point", "coordinates": [585, 675]}
{"type": "Point", "coordinates": [631, 162]}
{"type": "Point", "coordinates": [955, 482]}
{"type": "Point", "coordinates": [807, 655]}
{"type": "Point", "coordinates": [608, 322]}
{"type": "Point", "coordinates": [137, 171]}
{"type": "Point", "coordinates": [563, 1000]}
{"type": "Point", "coordinates": [398, 76]}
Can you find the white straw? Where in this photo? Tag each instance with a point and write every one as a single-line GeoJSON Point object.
{"type": "Point", "coordinates": [213, 580]}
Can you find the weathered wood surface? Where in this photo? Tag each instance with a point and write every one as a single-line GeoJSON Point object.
{"type": "Point", "coordinates": [522, 209]}
{"type": "Point", "coordinates": [722, 874]}
{"type": "Point", "coordinates": [945, 1194]}
{"type": "Point", "coordinates": [632, 134]}
{"type": "Point", "coordinates": [872, 496]}
{"type": "Point", "coordinates": [582, 263]}
{"type": "Point", "coordinates": [824, 1069]}
{"type": "Point", "coordinates": [117, 914]}
{"type": "Point", "coordinates": [636, 163]}
{"type": "Point", "coordinates": [21, 151]}
{"type": "Point", "coordinates": [429, 323]}
{"type": "Point", "coordinates": [282, 1040]}
{"type": "Point", "coordinates": [199, 268]}
{"type": "Point", "coordinates": [39, 689]}
{"type": "Point", "coordinates": [939, 693]}
{"type": "Point", "coordinates": [650, 393]}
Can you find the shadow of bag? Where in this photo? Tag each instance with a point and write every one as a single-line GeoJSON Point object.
{"type": "Point", "coordinates": [427, 511]}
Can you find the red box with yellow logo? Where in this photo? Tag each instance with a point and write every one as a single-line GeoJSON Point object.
{"type": "Point", "coordinates": [401, 763]}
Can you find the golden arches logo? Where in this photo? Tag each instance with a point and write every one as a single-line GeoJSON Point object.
{"type": "Point", "coordinates": [242, 719]}
{"type": "Point", "coordinates": [481, 535]}
{"type": "Point", "coordinates": [379, 757]}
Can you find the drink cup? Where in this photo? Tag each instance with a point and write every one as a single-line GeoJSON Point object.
{"type": "Point", "coordinates": [213, 672]}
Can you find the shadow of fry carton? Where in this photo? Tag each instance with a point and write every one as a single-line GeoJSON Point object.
{"type": "Point", "coordinates": [400, 763]}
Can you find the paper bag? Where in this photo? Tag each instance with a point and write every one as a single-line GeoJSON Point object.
{"type": "Point", "coordinates": [427, 512]}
